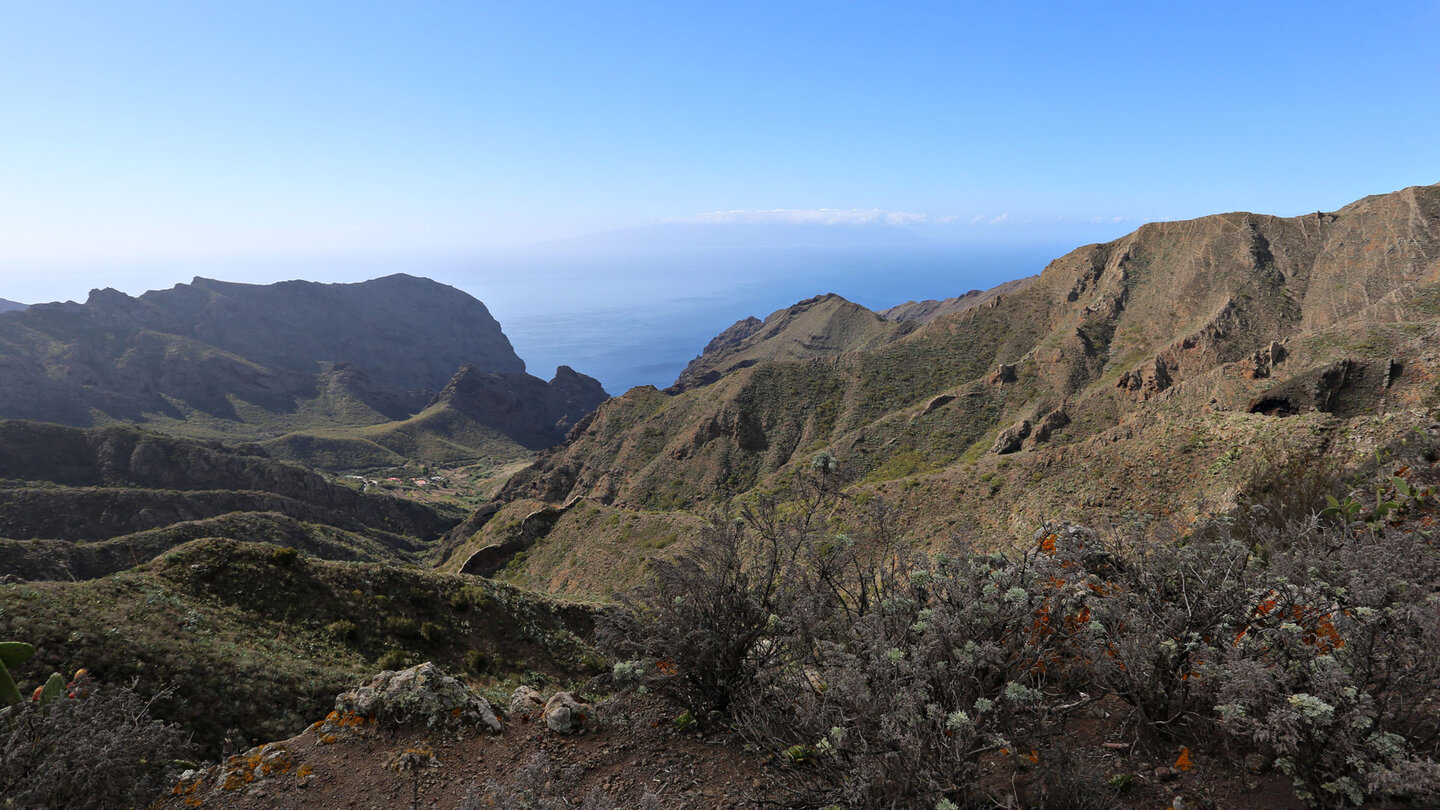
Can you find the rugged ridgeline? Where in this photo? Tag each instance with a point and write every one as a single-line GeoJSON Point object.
{"type": "Point", "coordinates": [340, 374]}
{"type": "Point", "coordinates": [926, 311]}
{"type": "Point", "coordinates": [1170, 371]}
{"type": "Point", "coordinates": [82, 504]}
{"type": "Point", "coordinates": [816, 327]}
{"type": "Point", "coordinates": [7, 305]}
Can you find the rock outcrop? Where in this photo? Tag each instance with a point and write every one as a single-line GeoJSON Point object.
{"type": "Point", "coordinates": [530, 411]}
{"type": "Point", "coordinates": [525, 702]}
{"type": "Point", "coordinates": [420, 695]}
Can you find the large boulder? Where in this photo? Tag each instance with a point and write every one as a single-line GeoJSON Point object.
{"type": "Point", "coordinates": [420, 694]}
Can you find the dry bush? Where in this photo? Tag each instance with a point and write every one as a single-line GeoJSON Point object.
{"type": "Point", "coordinates": [1335, 671]}
{"type": "Point", "coordinates": [893, 702]}
{"type": "Point", "coordinates": [716, 618]}
{"type": "Point", "coordinates": [1163, 603]}
{"type": "Point", "coordinates": [100, 750]}
{"type": "Point", "coordinates": [883, 677]}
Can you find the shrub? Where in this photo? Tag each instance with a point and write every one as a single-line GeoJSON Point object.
{"type": "Point", "coordinates": [432, 632]}
{"type": "Point", "coordinates": [392, 660]}
{"type": "Point", "coordinates": [284, 556]}
{"type": "Point", "coordinates": [1335, 670]}
{"type": "Point", "coordinates": [342, 630]}
{"type": "Point", "coordinates": [1162, 604]}
{"type": "Point", "coordinates": [625, 673]}
{"type": "Point", "coordinates": [911, 669]}
{"type": "Point", "coordinates": [710, 617]}
{"type": "Point", "coordinates": [476, 661]}
{"type": "Point", "coordinates": [402, 627]}
{"type": "Point", "coordinates": [881, 677]}
{"type": "Point", "coordinates": [100, 749]}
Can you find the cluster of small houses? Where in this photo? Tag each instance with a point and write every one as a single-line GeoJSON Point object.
{"type": "Point", "coordinates": [392, 481]}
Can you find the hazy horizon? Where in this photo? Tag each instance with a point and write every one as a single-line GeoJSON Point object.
{"type": "Point", "coordinates": [637, 316]}
{"type": "Point", "coordinates": [273, 134]}
{"type": "Point", "coordinates": [508, 148]}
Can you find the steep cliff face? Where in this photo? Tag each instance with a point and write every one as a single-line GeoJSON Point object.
{"type": "Point", "coordinates": [407, 333]}
{"type": "Point", "coordinates": [257, 362]}
{"type": "Point", "coordinates": [535, 413]}
{"type": "Point", "coordinates": [1177, 365]}
{"type": "Point", "coordinates": [209, 346]}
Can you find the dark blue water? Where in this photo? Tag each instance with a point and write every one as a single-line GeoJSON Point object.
{"type": "Point", "coordinates": [636, 318]}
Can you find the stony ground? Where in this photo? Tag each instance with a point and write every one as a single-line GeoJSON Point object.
{"type": "Point", "coordinates": [634, 751]}
{"type": "Point", "coordinates": [636, 758]}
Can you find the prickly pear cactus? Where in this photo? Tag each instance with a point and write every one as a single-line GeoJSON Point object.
{"type": "Point", "coordinates": [12, 653]}
{"type": "Point", "coordinates": [53, 689]}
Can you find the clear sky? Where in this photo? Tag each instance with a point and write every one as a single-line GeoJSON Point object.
{"type": "Point", "coordinates": [251, 135]}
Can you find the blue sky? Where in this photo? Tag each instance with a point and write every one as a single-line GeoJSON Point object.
{"type": "Point", "coordinates": [264, 140]}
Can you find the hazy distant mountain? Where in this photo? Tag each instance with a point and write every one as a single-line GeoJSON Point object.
{"type": "Point", "coordinates": [254, 362]}
{"type": "Point", "coordinates": [686, 235]}
{"type": "Point", "coordinates": [7, 305]}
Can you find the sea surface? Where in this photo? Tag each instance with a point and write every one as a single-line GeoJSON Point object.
{"type": "Point", "coordinates": [628, 317]}
{"type": "Point", "coordinates": [637, 317]}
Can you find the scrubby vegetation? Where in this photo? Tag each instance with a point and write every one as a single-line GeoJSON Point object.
{"type": "Point", "coordinates": [258, 639]}
{"type": "Point", "coordinates": [886, 676]}
{"type": "Point", "coordinates": [93, 749]}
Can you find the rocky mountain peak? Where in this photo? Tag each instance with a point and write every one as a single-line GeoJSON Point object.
{"type": "Point", "coordinates": [819, 326]}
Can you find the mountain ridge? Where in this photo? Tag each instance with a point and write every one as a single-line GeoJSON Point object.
{"type": "Point", "coordinates": [246, 362]}
{"type": "Point", "coordinates": [1163, 345]}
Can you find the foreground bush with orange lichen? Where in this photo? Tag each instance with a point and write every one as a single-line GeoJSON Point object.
{"type": "Point", "coordinates": [883, 677]}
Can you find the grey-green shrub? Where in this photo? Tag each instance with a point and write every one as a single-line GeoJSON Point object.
{"type": "Point", "coordinates": [96, 751]}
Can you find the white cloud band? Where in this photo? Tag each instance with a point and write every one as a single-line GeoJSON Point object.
{"type": "Point", "coordinates": [812, 216]}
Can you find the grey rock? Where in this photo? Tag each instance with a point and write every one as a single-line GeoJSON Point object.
{"type": "Point", "coordinates": [525, 701]}
{"type": "Point", "coordinates": [1256, 763]}
{"type": "Point", "coordinates": [1011, 438]}
{"type": "Point", "coordinates": [420, 694]}
{"type": "Point", "coordinates": [566, 715]}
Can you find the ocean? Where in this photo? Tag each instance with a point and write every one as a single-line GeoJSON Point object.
{"type": "Point", "coordinates": [637, 317]}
